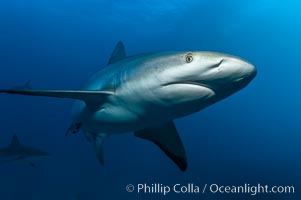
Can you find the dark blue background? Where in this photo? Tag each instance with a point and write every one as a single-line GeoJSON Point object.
{"type": "Point", "coordinates": [252, 137]}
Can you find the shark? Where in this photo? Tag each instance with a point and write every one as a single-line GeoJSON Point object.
{"type": "Point", "coordinates": [16, 152]}
{"type": "Point", "coordinates": [145, 93]}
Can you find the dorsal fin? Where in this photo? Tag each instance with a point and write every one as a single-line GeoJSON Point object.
{"type": "Point", "coordinates": [15, 142]}
{"type": "Point", "coordinates": [118, 53]}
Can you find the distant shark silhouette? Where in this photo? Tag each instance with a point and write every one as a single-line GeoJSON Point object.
{"type": "Point", "coordinates": [18, 152]}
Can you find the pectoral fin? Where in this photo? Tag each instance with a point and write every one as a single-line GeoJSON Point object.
{"type": "Point", "coordinates": [168, 140]}
{"type": "Point", "coordinates": [90, 97]}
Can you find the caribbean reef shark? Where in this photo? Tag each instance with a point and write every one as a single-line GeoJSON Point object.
{"type": "Point", "coordinates": [18, 152]}
{"type": "Point", "coordinates": [145, 93]}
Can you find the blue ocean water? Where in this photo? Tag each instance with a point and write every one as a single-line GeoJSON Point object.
{"type": "Point", "coordinates": [251, 137]}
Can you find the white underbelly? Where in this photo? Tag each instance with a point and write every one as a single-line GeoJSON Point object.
{"type": "Point", "coordinates": [116, 120]}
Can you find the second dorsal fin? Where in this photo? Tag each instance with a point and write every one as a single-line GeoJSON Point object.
{"type": "Point", "coordinates": [118, 53]}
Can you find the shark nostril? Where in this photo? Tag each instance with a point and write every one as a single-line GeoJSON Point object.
{"type": "Point", "coordinates": [220, 62]}
{"type": "Point", "coordinates": [217, 64]}
{"type": "Point", "coordinates": [219, 67]}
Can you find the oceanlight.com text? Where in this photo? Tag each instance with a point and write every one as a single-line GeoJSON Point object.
{"type": "Point", "coordinates": [191, 188]}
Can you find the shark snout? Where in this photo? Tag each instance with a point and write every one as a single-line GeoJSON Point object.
{"type": "Point", "coordinates": [237, 70]}
{"type": "Point", "coordinates": [249, 70]}
{"type": "Point", "coordinates": [228, 74]}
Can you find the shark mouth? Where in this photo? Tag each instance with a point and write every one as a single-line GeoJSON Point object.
{"type": "Point", "coordinates": [192, 84]}
{"type": "Point", "coordinates": [188, 91]}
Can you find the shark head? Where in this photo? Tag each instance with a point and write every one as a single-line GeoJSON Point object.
{"type": "Point", "coordinates": [190, 81]}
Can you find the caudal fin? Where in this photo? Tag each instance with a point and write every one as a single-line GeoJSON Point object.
{"type": "Point", "coordinates": [98, 145]}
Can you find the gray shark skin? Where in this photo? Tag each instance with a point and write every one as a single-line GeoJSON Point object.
{"type": "Point", "coordinates": [145, 93]}
{"type": "Point", "coordinates": [19, 152]}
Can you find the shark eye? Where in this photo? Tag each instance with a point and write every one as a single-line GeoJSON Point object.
{"type": "Point", "coordinates": [189, 58]}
